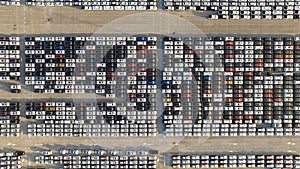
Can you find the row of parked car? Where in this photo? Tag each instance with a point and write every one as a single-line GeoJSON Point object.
{"type": "Point", "coordinates": [10, 119]}
{"type": "Point", "coordinates": [11, 159]}
{"type": "Point", "coordinates": [185, 85]}
{"type": "Point", "coordinates": [258, 9]}
{"type": "Point", "coordinates": [257, 12]}
{"type": "Point", "coordinates": [98, 4]}
{"type": "Point", "coordinates": [248, 63]}
{"type": "Point", "coordinates": [207, 129]}
{"type": "Point", "coordinates": [88, 119]}
{"type": "Point", "coordinates": [10, 2]}
{"type": "Point", "coordinates": [99, 158]}
{"type": "Point", "coordinates": [72, 65]}
{"type": "Point", "coordinates": [258, 83]}
{"type": "Point", "coordinates": [10, 58]}
{"type": "Point", "coordinates": [236, 160]}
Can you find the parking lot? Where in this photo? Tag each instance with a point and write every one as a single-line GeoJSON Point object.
{"type": "Point", "coordinates": [96, 157]}
{"type": "Point", "coordinates": [24, 20]}
{"type": "Point", "coordinates": [105, 76]}
{"type": "Point", "coordinates": [236, 160]}
{"type": "Point", "coordinates": [224, 10]}
{"type": "Point", "coordinates": [187, 67]}
{"type": "Point", "coordinates": [11, 159]}
{"type": "Point", "coordinates": [273, 129]}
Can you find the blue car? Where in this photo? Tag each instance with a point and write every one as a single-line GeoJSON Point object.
{"type": "Point", "coordinates": [151, 82]}
{"type": "Point", "coordinates": [166, 82]}
{"type": "Point", "coordinates": [207, 78]}
{"type": "Point", "coordinates": [59, 47]}
{"type": "Point", "coordinates": [39, 78]}
{"type": "Point", "coordinates": [177, 73]}
{"type": "Point", "coordinates": [141, 38]}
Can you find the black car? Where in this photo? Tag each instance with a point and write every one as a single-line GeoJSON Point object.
{"type": "Point", "coordinates": [15, 91]}
{"type": "Point", "coordinates": [14, 69]}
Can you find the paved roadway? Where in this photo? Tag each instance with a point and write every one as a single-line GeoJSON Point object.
{"type": "Point", "coordinates": [188, 144]}
{"type": "Point", "coordinates": [41, 20]}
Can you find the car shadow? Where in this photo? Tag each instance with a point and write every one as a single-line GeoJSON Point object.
{"type": "Point", "coordinates": [205, 14]}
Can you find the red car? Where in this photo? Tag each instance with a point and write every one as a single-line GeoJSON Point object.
{"type": "Point", "coordinates": [81, 104]}
{"type": "Point", "coordinates": [207, 91]}
{"type": "Point", "coordinates": [278, 100]}
{"type": "Point", "coordinates": [218, 117]}
{"type": "Point", "coordinates": [142, 69]}
{"type": "Point", "coordinates": [268, 95]}
{"type": "Point", "coordinates": [187, 117]}
{"type": "Point", "coordinates": [278, 56]}
{"type": "Point", "coordinates": [248, 73]}
{"type": "Point", "coordinates": [268, 91]}
{"type": "Point", "coordinates": [228, 99]}
{"type": "Point", "coordinates": [189, 52]}
{"type": "Point", "coordinates": [80, 73]}
{"type": "Point", "coordinates": [152, 52]}
{"type": "Point", "coordinates": [111, 73]}
{"type": "Point", "coordinates": [248, 117]}
{"type": "Point", "coordinates": [60, 56]}
{"type": "Point", "coordinates": [141, 51]}
{"type": "Point", "coordinates": [238, 99]}
{"type": "Point", "coordinates": [40, 104]}
{"type": "Point", "coordinates": [187, 95]}
{"type": "Point", "coordinates": [259, 60]}
{"type": "Point", "coordinates": [80, 65]}
{"type": "Point", "coordinates": [229, 56]}
{"type": "Point", "coordinates": [4, 38]}
{"type": "Point", "coordinates": [240, 117]}
{"type": "Point", "coordinates": [131, 73]}
{"type": "Point", "coordinates": [91, 52]}
{"type": "Point", "coordinates": [200, 52]}
{"type": "Point", "coordinates": [132, 95]}
{"type": "Point", "coordinates": [141, 47]}
{"type": "Point", "coordinates": [238, 91]}
{"type": "Point", "coordinates": [229, 43]}
{"type": "Point", "coordinates": [4, 113]}
{"type": "Point", "coordinates": [259, 65]}
{"type": "Point", "coordinates": [186, 91]}
{"type": "Point", "coordinates": [229, 69]}
{"type": "Point", "coordinates": [131, 64]}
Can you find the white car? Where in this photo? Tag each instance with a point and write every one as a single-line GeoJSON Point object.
{"type": "Point", "coordinates": [277, 13]}
{"type": "Point", "coordinates": [15, 86]}
{"type": "Point", "coordinates": [277, 17]}
{"type": "Point", "coordinates": [49, 3]}
{"type": "Point", "coordinates": [47, 152]}
{"type": "Point", "coordinates": [235, 16]}
{"type": "Point", "coordinates": [143, 8]}
{"type": "Point", "coordinates": [130, 7]}
{"type": "Point", "coordinates": [153, 7]}
{"type": "Point", "coordinates": [108, 8]}
{"type": "Point", "coordinates": [255, 8]}
{"type": "Point", "coordinates": [245, 17]}
{"type": "Point", "coordinates": [15, 3]}
{"type": "Point", "coordinates": [118, 7]}
{"type": "Point", "coordinates": [234, 8]}
{"type": "Point", "coordinates": [256, 17]}
{"type": "Point", "coordinates": [223, 8]}
{"type": "Point", "coordinates": [266, 17]}
{"type": "Point", "coordinates": [213, 16]}
{"type": "Point", "coordinates": [289, 16]}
